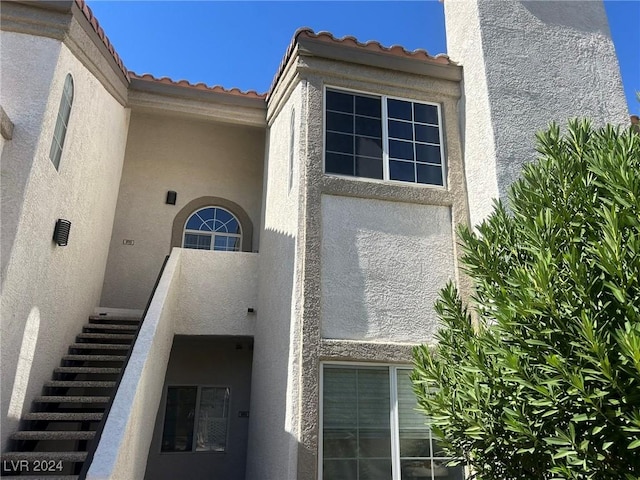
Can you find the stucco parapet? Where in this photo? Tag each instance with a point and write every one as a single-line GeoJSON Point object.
{"type": "Point", "coordinates": [417, 85]}
{"type": "Point", "coordinates": [6, 125]}
{"type": "Point", "coordinates": [165, 98]}
{"type": "Point", "coordinates": [353, 350]}
{"type": "Point", "coordinates": [379, 190]}
{"type": "Point", "coordinates": [44, 19]}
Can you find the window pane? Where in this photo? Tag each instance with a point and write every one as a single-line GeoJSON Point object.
{"type": "Point", "coordinates": [400, 149]}
{"type": "Point", "coordinates": [375, 469]}
{"type": "Point", "coordinates": [429, 174]}
{"type": "Point", "coordinates": [425, 133]}
{"type": "Point", "coordinates": [213, 418]}
{"type": "Point", "coordinates": [232, 226]}
{"type": "Point", "coordinates": [177, 434]}
{"type": "Point", "coordinates": [341, 102]}
{"type": "Point", "coordinates": [400, 130]}
{"type": "Point", "coordinates": [399, 109]}
{"type": "Point", "coordinates": [338, 163]}
{"type": "Point", "coordinates": [222, 215]}
{"type": "Point", "coordinates": [337, 142]}
{"type": "Point", "coordinates": [369, 147]}
{"type": "Point", "coordinates": [442, 472]}
{"type": "Point", "coordinates": [339, 122]}
{"type": "Point", "coordinates": [413, 433]}
{"type": "Point", "coordinates": [339, 443]}
{"type": "Point", "coordinates": [369, 167]}
{"type": "Point", "coordinates": [370, 127]}
{"type": "Point", "coordinates": [340, 470]}
{"type": "Point", "coordinates": [200, 242]}
{"type": "Point", "coordinates": [206, 214]}
{"type": "Point", "coordinates": [425, 113]}
{"type": "Point", "coordinates": [428, 153]}
{"type": "Point", "coordinates": [403, 171]}
{"type": "Point", "coordinates": [368, 106]}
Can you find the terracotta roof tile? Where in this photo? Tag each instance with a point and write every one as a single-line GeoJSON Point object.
{"type": "Point", "coordinates": [350, 41]}
{"type": "Point", "coordinates": [198, 86]}
{"type": "Point", "coordinates": [100, 31]}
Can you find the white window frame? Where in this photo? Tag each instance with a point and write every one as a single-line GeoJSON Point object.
{"type": "Point", "coordinates": [393, 413]}
{"type": "Point", "coordinates": [212, 234]}
{"type": "Point", "coordinates": [62, 121]}
{"type": "Point", "coordinates": [195, 420]}
{"type": "Point", "coordinates": [385, 138]}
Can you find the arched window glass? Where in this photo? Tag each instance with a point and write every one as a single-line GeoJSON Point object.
{"type": "Point", "coordinates": [292, 145]}
{"type": "Point", "coordinates": [64, 111]}
{"type": "Point", "coordinates": [212, 228]}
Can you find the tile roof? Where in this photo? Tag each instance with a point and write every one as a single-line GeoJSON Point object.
{"type": "Point", "coordinates": [99, 30]}
{"type": "Point", "coordinates": [352, 42]}
{"type": "Point", "coordinates": [197, 86]}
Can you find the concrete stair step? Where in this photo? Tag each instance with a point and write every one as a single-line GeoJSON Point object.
{"type": "Point", "coordinates": [99, 346]}
{"type": "Point", "coordinates": [94, 358]}
{"type": "Point", "coordinates": [79, 384]}
{"type": "Point", "coordinates": [106, 336]}
{"type": "Point", "coordinates": [96, 370]}
{"type": "Point", "coordinates": [53, 435]}
{"type": "Point", "coordinates": [71, 399]}
{"type": "Point", "coordinates": [64, 416]}
{"type": "Point", "coordinates": [110, 327]}
{"type": "Point", "coordinates": [55, 456]}
{"type": "Point", "coordinates": [114, 319]}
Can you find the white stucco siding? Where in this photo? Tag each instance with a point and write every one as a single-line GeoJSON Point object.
{"type": "Point", "coordinates": [273, 435]}
{"type": "Point", "coordinates": [193, 158]}
{"type": "Point", "coordinates": [527, 64]}
{"type": "Point", "coordinates": [56, 288]}
{"type": "Point", "coordinates": [383, 264]}
{"type": "Point", "coordinates": [216, 289]}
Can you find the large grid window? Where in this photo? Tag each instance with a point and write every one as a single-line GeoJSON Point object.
{"type": "Point", "coordinates": [196, 419]}
{"type": "Point", "coordinates": [383, 138]}
{"type": "Point", "coordinates": [371, 429]}
{"type": "Point", "coordinates": [212, 228]}
{"type": "Point", "coordinates": [62, 122]}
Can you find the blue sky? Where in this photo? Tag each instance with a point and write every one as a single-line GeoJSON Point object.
{"type": "Point", "coordinates": [240, 44]}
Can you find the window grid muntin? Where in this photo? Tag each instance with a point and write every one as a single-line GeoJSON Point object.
{"type": "Point", "coordinates": [394, 420]}
{"type": "Point", "coordinates": [213, 233]}
{"type": "Point", "coordinates": [196, 416]}
{"type": "Point", "coordinates": [441, 166]}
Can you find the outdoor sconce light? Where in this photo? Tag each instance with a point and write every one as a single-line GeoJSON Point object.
{"type": "Point", "coordinates": [251, 310]}
{"type": "Point", "coordinates": [171, 197]}
{"type": "Point", "coordinates": [61, 232]}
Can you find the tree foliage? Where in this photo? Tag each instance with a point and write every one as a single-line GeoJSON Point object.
{"type": "Point", "coordinates": [539, 377]}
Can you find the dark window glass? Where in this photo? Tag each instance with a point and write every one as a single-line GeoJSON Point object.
{"type": "Point", "coordinates": [399, 109]}
{"type": "Point", "coordinates": [338, 101]}
{"type": "Point", "coordinates": [199, 242]}
{"type": "Point", "coordinates": [425, 133]}
{"type": "Point", "coordinates": [368, 106]}
{"type": "Point", "coordinates": [368, 126]}
{"type": "Point", "coordinates": [428, 153]}
{"type": "Point", "coordinates": [403, 171]}
{"type": "Point", "coordinates": [426, 113]}
{"type": "Point", "coordinates": [369, 147]}
{"type": "Point", "coordinates": [342, 469]}
{"type": "Point", "coordinates": [339, 122]}
{"type": "Point", "coordinates": [338, 163]}
{"type": "Point", "coordinates": [429, 174]}
{"type": "Point", "coordinates": [369, 167]}
{"type": "Point", "coordinates": [177, 434]}
{"type": "Point", "coordinates": [400, 130]}
{"type": "Point", "coordinates": [337, 142]}
{"type": "Point", "coordinates": [399, 149]}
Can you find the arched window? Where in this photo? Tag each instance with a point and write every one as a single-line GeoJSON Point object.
{"type": "Point", "coordinates": [212, 228]}
{"type": "Point", "coordinates": [62, 122]}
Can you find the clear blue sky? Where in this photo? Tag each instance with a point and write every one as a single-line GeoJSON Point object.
{"type": "Point", "coordinates": [240, 44]}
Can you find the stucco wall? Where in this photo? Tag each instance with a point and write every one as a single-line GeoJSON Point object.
{"type": "Point", "coordinates": [383, 264]}
{"type": "Point", "coordinates": [207, 361]}
{"type": "Point", "coordinates": [216, 289]}
{"type": "Point", "coordinates": [193, 158]}
{"type": "Point", "coordinates": [527, 63]}
{"type": "Point", "coordinates": [53, 289]}
{"type": "Point", "coordinates": [274, 398]}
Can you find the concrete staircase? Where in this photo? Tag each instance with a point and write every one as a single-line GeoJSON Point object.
{"type": "Point", "coordinates": [56, 435]}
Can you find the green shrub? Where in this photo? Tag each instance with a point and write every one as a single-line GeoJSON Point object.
{"type": "Point", "coordinates": [539, 377]}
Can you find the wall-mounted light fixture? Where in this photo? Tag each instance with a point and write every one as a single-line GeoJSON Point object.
{"type": "Point", "coordinates": [171, 197]}
{"type": "Point", "coordinates": [61, 232]}
{"type": "Point", "coordinates": [251, 310]}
